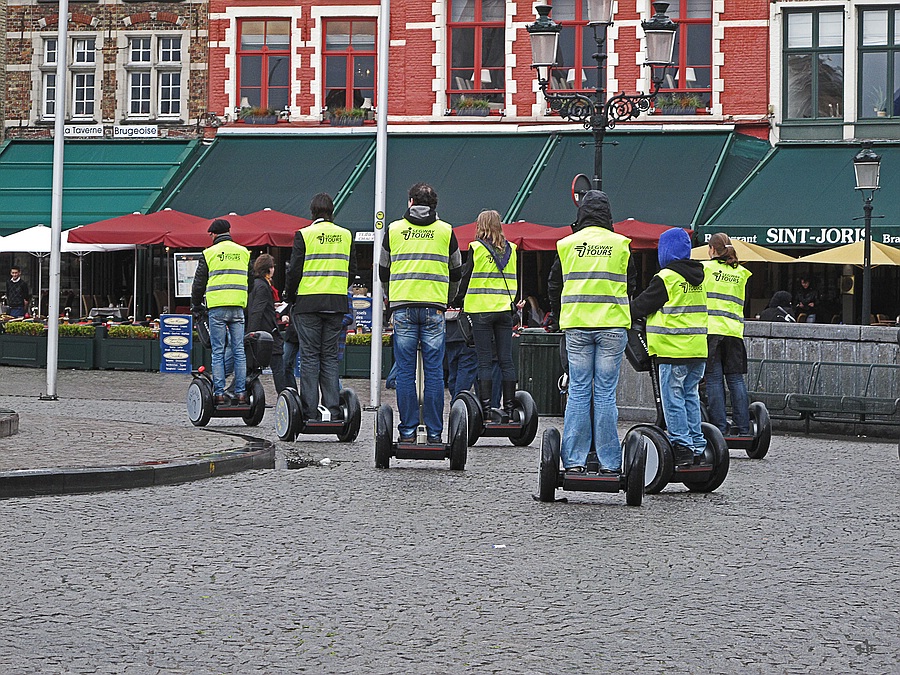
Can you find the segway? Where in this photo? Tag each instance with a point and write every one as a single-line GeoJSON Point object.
{"type": "Point", "coordinates": [290, 421]}
{"type": "Point", "coordinates": [201, 405]}
{"type": "Point", "coordinates": [708, 471]}
{"type": "Point", "coordinates": [520, 428]}
{"type": "Point", "coordinates": [456, 450]}
{"type": "Point", "coordinates": [630, 480]}
{"type": "Point", "coordinates": [756, 444]}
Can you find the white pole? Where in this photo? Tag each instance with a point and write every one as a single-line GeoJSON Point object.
{"type": "Point", "coordinates": [384, 44]}
{"type": "Point", "coordinates": [59, 132]}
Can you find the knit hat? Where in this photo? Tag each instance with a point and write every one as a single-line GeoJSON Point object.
{"type": "Point", "coordinates": [219, 226]}
{"type": "Point", "coordinates": [674, 244]}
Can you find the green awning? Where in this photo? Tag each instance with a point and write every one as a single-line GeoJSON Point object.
{"type": "Point", "coordinates": [101, 179]}
{"type": "Point", "coordinates": [803, 196]}
{"type": "Point", "coordinates": [470, 172]}
{"type": "Point", "coordinates": [656, 177]}
{"type": "Point", "coordinates": [243, 174]}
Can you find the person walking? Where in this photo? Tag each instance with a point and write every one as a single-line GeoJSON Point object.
{"type": "Point", "coordinates": [17, 295]}
{"type": "Point", "coordinates": [490, 300]}
{"type": "Point", "coordinates": [261, 314]}
{"type": "Point", "coordinates": [322, 265]}
{"type": "Point", "coordinates": [589, 286]}
{"type": "Point", "coordinates": [223, 274]}
{"type": "Point", "coordinates": [674, 304]}
{"type": "Point", "coordinates": [420, 266]}
{"type": "Point", "coordinates": [726, 283]}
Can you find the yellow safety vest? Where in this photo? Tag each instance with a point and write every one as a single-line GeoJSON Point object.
{"type": "Point", "coordinates": [490, 290]}
{"type": "Point", "coordinates": [327, 259]}
{"type": "Point", "coordinates": [227, 284]}
{"type": "Point", "coordinates": [420, 262]}
{"type": "Point", "coordinates": [595, 279]}
{"type": "Point", "coordinates": [678, 329]}
{"type": "Point", "coordinates": [725, 289]}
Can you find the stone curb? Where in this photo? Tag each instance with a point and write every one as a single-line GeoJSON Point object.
{"type": "Point", "coordinates": [9, 423]}
{"type": "Point", "coordinates": [257, 454]}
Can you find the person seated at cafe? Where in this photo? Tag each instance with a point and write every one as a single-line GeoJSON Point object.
{"type": "Point", "coordinates": [779, 308]}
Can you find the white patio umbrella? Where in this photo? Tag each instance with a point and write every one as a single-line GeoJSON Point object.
{"type": "Point", "coordinates": [36, 241]}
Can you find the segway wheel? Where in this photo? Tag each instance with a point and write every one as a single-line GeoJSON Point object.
{"type": "Point", "coordinates": [287, 415]}
{"type": "Point", "coordinates": [199, 402]}
{"type": "Point", "coordinates": [352, 416]}
{"type": "Point", "coordinates": [257, 404]}
{"type": "Point", "coordinates": [762, 435]}
{"type": "Point", "coordinates": [474, 415]}
{"type": "Point", "coordinates": [527, 408]}
{"type": "Point", "coordinates": [659, 460]}
{"type": "Point", "coordinates": [459, 435]}
{"type": "Point", "coordinates": [717, 453]}
{"type": "Point", "coordinates": [384, 426]}
{"type": "Point", "coordinates": [635, 465]}
{"type": "Point", "coordinates": [548, 479]}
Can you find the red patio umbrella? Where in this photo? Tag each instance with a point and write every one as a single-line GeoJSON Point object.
{"type": "Point", "coordinates": [133, 228]}
{"type": "Point", "coordinates": [244, 231]}
{"type": "Point", "coordinates": [526, 236]}
{"type": "Point", "coordinates": [644, 236]}
{"type": "Point", "coordinates": [280, 227]}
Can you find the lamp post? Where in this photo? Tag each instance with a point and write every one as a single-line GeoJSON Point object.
{"type": "Point", "coordinates": [595, 112]}
{"type": "Point", "coordinates": [867, 165]}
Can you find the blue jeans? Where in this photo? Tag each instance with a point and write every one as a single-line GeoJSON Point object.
{"type": "Point", "coordinates": [291, 362]}
{"type": "Point", "coordinates": [715, 399]}
{"type": "Point", "coordinates": [462, 367]}
{"type": "Point", "coordinates": [227, 321]}
{"type": "Point", "coordinates": [595, 357]}
{"type": "Point", "coordinates": [415, 326]}
{"type": "Point", "coordinates": [680, 388]}
{"type": "Point", "coordinates": [16, 311]}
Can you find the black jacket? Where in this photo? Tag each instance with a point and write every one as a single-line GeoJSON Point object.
{"type": "Point", "coordinates": [656, 295]}
{"type": "Point", "coordinates": [201, 274]}
{"type": "Point", "coordinates": [17, 294]}
{"type": "Point", "coordinates": [319, 302]}
{"type": "Point", "coordinates": [261, 313]}
{"type": "Point", "coordinates": [779, 308]}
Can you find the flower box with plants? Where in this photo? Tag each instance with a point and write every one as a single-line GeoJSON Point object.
{"type": "Point", "coordinates": [129, 347]}
{"type": "Point", "coordinates": [679, 104]}
{"type": "Point", "coordinates": [347, 117]}
{"type": "Point", "coordinates": [358, 355]}
{"type": "Point", "coordinates": [24, 343]}
{"type": "Point", "coordinates": [257, 115]}
{"type": "Point", "coordinates": [478, 107]}
{"type": "Point", "coordinates": [77, 345]}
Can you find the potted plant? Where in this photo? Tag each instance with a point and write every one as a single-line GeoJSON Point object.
{"type": "Point", "coordinates": [24, 343]}
{"type": "Point", "coordinates": [257, 115]}
{"type": "Point", "coordinates": [76, 346]}
{"type": "Point", "coordinates": [678, 104]}
{"type": "Point", "coordinates": [358, 355]}
{"type": "Point", "coordinates": [129, 347]}
{"type": "Point", "coordinates": [878, 99]}
{"type": "Point", "coordinates": [466, 105]}
{"type": "Point", "coordinates": [347, 117]}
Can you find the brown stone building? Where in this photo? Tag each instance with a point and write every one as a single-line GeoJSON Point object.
{"type": "Point", "coordinates": [138, 64]}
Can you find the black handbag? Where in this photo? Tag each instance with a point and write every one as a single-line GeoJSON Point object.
{"type": "Point", "coordinates": [464, 322]}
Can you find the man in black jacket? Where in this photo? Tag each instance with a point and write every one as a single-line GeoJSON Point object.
{"type": "Point", "coordinates": [17, 295]}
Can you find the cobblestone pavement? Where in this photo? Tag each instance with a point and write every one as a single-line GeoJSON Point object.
{"type": "Point", "coordinates": [790, 567]}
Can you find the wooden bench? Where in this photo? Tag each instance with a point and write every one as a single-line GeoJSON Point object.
{"type": "Point", "coordinates": [850, 393]}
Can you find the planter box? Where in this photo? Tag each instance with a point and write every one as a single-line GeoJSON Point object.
{"type": "Point", "coordinates": [270, 119]}
{"type": "Point", "coordinates": [347, 121]}
{"type": "Point", "coordinates": [473, 112]}
{"type": "Point", "coordinates": [23, 350]}
{"type": "Point", "coordinates": [127, 354]}
{"type": "Point", "coordinates": [357, 359]}
{"type": "Point", "coordinates": [76, 352]}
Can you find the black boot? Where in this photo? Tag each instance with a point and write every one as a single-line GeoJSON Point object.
{"type": "Point", "coordinates": [684, 456]}
{"type": "Point", "coordinates": [485, 391]}
{"type": "Point", "coordinates": [509, 399]}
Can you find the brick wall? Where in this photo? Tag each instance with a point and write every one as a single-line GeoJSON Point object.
{"type": "Point", "coordinates": [3, 27]}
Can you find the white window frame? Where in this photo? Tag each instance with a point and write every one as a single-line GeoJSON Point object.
{"type": "Point", "coordinates": [160, 63]}
{"type": "Point", "coordinates": [84, 57]}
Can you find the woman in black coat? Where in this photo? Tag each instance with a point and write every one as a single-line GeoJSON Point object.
{"type": "Point", "coordinates": [261, 314]}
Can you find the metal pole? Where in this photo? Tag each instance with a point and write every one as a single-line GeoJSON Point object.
{"type": "Point", "coordinates": [384, 43]}
{"type": "Point", "coordinates": [599, 118]}
{"type": "Point", "coordinates": [59, 131]}
{"type": "Point", "coordinates": [867, 265]}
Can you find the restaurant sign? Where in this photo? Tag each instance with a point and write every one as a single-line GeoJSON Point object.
{"type": "Point", "coordinates": [819, 237]}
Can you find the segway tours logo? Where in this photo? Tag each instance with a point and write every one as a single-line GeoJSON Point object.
{"type": "Point", "coordinates": [593, 250]}
{"type": "Point", "coordinates": [417, 233]}
{"type": "Point", "coordinates": [329, 238]}
{"type": "Point", "coordinates": [726, 278]}
{"type": "Point", "coordinates": [224, 255]}
{"type": "Point", "coordinates": [690, 288]}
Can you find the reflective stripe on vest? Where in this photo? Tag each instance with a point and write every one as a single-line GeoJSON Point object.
{"type": "Point", "coordinates": [725, 289]}
{"type": "Point", "coordinates": [595, 279]}
{"type": "Point", "coordinates": [420, 262]}
{"type": "Point", "coordinates": [678, 329]}
{"type": "Point", "coordinates": [227, 284]}
{"type": "Point", "coordinates": [490, 290]}
{"type": "Point", "coordinates": [326, 261]}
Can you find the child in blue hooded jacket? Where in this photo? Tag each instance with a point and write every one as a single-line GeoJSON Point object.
{"type": "Point", "coordinates": [674, 304]}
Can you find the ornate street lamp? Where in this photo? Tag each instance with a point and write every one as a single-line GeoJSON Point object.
{"type": "Point", "coordinates": [867, 165]}
{"type": "Point", "coordinates": [595, 112]}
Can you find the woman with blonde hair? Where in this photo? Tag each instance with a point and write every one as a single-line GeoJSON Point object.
{"type": "Point", "coordinates": [726, 283]}
{"type": "Point", "coordinates": [490, 301]}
